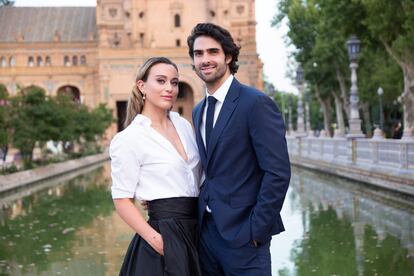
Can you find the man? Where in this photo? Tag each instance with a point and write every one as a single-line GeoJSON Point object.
{"type": "Point", "coordinates": [241, 139]}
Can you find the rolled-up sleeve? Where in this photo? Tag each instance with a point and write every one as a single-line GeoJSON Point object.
{"type": "Point", "coordinates": [125, 168]}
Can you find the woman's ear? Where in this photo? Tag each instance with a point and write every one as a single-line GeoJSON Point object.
{"type": "Point", "coordinates": [141, 86]}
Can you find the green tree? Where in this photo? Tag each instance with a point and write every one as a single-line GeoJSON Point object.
{"type": "Point", "coordinates": [4, 124]}
{"type": "Point", "coordinates": [6, 3]}
{"type": "Point", "coordinates": [319, 30]}
{"type": "Point", "coordinates": [31, 117]}
{"type": "Point", "coordinates": [392, 22]}
{"type": "Point", "coordinates": [89, 126]}
{"type": "Point", "coordinates": [303, 22]}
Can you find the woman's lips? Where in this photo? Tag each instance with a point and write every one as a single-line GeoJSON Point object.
{"type": "Point", "coordinates": [168, 98]}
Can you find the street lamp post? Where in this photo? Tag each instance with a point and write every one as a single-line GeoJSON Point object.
{"type": "Point", "coordinates": [283, 107]}
{"type": "Point", "coordinates": [380, 91]}
{"type": "Point", "coordinates": [354, 122]}
{"type": "Point", "coordinates": [300, 128]}
{"type": "Point", "coordinates": [290, 103]}
{"type": "Point", "coordinates": [308, 118]}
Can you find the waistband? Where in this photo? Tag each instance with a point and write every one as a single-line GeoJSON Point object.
{"type": "Point", "coordinates": [174, 207]}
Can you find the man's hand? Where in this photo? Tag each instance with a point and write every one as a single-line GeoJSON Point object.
{"type": "Point", "coordinates": [255, 243]}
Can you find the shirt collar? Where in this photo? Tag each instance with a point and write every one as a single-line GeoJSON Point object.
{"type": "Point", "coordinates": [221, 92]}
{"type": "Point", "coordinates": [145, 121]}
{"type": "Point", "coordinates": [142, 120]}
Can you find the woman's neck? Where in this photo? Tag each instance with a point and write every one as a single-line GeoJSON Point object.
{"type": "Point", "coordinates": [158, 117]}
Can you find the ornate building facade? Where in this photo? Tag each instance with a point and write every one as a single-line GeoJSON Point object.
{"type": "Point", "coordinates": [94, 52]}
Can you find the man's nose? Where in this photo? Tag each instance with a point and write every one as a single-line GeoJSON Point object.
{"type": "Point", "coordinates": [205, 59]}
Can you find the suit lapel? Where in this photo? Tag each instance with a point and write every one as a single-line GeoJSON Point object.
{"type": "Point", "coordinates": [197, 123]}
{"type": "Point", "coordinates": [230, 103]}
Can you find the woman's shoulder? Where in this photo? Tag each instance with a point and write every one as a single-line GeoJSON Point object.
{"type": "Point", "coordinates": [180, 119]}
{"type": "Point", "coordinates": [126, 136]}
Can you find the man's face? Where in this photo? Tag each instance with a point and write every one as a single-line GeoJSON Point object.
{"type": "Point", "coordinates": [210, 62]}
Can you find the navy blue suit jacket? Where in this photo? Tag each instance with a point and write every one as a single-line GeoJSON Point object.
{"type": "Point", "coordinates": [247, 166]}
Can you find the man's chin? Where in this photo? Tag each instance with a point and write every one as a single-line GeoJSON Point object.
{"type": "Point", "coordinates": [208, 79]}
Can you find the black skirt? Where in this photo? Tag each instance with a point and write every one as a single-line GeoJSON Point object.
{"type": "Point", "coordinates": [176, 220]}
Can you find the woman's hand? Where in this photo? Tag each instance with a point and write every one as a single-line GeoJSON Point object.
{"type": "Point", "coordinates": [133, 217]}
{"type": "Point", "coordinates": [144, 205]}
{"type": "Point", "coordinates": [157, 243]}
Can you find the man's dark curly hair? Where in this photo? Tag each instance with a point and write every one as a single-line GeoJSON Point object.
{"type": "Point", "coordinates": [219, 34]}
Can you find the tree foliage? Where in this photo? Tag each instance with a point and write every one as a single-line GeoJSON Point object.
{"type": "Point", "coordinates": [319, 30]}
{"type": "Point", "coordinates": [35, 118]}
{"type": "Point", "coordinates": [4, 134]}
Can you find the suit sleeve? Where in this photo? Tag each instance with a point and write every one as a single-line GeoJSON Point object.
{"type": "Point", "coordinates": [267, 132]}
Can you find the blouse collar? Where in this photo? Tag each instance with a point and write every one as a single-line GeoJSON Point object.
{"type": "Point", "coordinates": [146, 122]}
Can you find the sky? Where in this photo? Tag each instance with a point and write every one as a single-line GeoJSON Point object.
{"type": "Point", "coordinates": [271, 47]}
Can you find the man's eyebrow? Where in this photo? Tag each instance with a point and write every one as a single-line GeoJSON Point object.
{"type": "Point", "coordinates": [208, 50]}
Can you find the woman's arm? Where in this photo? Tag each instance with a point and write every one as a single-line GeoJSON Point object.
{"type": "Point", "coordinates": [131, 215]}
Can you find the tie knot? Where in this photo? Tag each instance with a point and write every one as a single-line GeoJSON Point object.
{"type": "Point", "coordinates": [211, 100]}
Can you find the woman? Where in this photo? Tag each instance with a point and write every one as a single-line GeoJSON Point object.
{"type": "Point", "coordinates": [155, 159]}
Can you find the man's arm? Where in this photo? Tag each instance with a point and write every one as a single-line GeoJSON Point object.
{"type": "Point", "coordinates": [267, 131]}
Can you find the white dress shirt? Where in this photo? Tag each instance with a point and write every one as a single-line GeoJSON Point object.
{"type": "Point", "coordinates": [220, 95]}
{"type": "Point", "coordinates": [145, 165]}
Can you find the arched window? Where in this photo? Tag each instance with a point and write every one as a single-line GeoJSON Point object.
{"type": "Point", "coordinates": [177, 21]}
{"type": "Point", "coordinates": [82, 60]}
{"type": "Point", "coordinates": [66, 61]}
{"type": "Point", "coordinates": [11, 61]}
{"type": "Point", "coordinates": [3, 62]}
{"type": "Point", "coordinates": [71, 91]}
{"type": "Point", "coordinates": [30, 61]}
{"type": "Point", "coordinates": [39, 61]}
{"type": "Point", "coordinates": [75, 60]}
{"type": "Point", "coordinates": [48, 62]}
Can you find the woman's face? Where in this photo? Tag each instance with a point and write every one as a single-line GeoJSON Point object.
{"type": "Point", "coordinates": [161, 86]}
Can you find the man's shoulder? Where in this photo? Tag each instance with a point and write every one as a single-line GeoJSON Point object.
{"type": "Point", "coordinates": [198, 105]}
{"type": "Point", "coordinates": [249, 91]}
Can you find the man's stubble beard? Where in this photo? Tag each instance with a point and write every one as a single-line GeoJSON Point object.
{"type": "Point", "coordinates": [212, 78]}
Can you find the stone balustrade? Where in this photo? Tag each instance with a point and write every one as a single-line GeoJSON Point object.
{"type": "Point", "coordinates": [388, 163]}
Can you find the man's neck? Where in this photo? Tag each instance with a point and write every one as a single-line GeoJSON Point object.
{"type": "Point", "coordinates": [213, 87]}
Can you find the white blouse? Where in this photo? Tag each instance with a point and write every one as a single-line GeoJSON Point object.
{"type": "Point", "coordinates": [145, 165]}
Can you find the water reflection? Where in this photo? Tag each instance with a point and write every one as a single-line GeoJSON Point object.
{"type": "Point", "coordinates": [334, 227]}
{"type": "Point", "coordinates": [337, 227]}
{"type": "Point", "coordinates": [45, 233]}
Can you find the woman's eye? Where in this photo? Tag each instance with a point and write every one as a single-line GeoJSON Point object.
{"type": "Point", "coordinates": [161, 81]}
{"type": "Point", "coordinates": [174, 83]}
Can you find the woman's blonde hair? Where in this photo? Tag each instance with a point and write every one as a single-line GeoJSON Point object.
{"type": "Point", "coordinates": [136, 100]}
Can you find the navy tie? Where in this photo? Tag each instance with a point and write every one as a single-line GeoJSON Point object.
{"type": "Point", "coordinates": [210, 118]}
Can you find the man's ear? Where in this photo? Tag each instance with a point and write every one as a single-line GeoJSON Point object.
{"type": "Point", "coordinates": [228, 59]}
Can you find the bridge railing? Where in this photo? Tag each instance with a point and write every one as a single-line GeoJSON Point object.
{"type": "Point", "coordinates": [363, 152]}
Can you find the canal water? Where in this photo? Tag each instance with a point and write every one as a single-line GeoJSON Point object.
{"type": "Point", "coordinates": [333, 227]}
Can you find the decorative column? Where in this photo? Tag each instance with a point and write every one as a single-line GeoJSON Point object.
{"type": "Point", "coordinates": [290, 103]}
{"type": "Point", "coordinates": [308, 118]}
{"type": "Point", "coordinates": [354, 120]}
{"type": "Point", "coordinates": [300, 126]}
